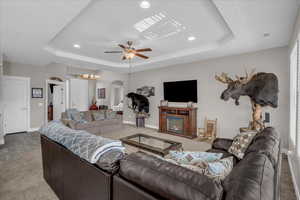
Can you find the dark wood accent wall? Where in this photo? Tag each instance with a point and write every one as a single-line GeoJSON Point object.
{"type": "Point", "coordinates": [189, 116]}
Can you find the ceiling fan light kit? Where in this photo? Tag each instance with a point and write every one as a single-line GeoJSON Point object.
{"type": "Point", "coordinates": [89, 76]}
{"type": "Point", "coordinates": [129, 52]}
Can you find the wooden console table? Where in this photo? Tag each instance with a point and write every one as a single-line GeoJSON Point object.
{"type": "Point", "coordinates": [187, 121]}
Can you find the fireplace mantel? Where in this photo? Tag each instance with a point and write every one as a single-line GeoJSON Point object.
{"type": "Point", "coordinates": [178, 121]}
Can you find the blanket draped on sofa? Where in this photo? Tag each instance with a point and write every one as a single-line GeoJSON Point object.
{"type": "Point", "coordinates": [85, 145]}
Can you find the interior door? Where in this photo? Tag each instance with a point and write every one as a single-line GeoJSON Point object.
{"type": "Point", "coordinates": [16, 93]}
{"type": "Point", "coordinates": [58, 101]}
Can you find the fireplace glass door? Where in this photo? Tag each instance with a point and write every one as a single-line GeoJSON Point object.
{"type": "Point", "coordinates": [175, 124]}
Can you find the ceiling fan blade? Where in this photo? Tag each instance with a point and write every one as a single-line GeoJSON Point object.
{"type": "Point", "coordinates": [141, 55]}
{"type": "Point", "coordinates": [113, 52]}
{"type": "Point", "coordinates": [122, 46]}
{"type": "Point", "coordinates": [141, 50]}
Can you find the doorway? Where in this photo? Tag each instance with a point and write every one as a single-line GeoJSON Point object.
{"type": "Point", "coordinates": [55, 100]}
{"type": "Point", "coordinates": [16, 104]}
{"type": "Point", "coordinates": [117, 96]}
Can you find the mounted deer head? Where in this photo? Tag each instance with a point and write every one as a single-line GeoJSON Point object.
{"type": "Point", "coordinates": [236, 88]}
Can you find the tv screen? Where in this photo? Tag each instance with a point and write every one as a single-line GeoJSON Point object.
{"type": "Point", "coordinates": [181, 91]}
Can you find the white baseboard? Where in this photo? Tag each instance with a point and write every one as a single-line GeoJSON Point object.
{"type": "Point", "coordinates": [146, 125]}
{"type": "Point", "coordinates": [128, 122]}
{"type": "Point", "coordinates": [33, 129]}
{"type": "Point", "coordinates": [293, 176]}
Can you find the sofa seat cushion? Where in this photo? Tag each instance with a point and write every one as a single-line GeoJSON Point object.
{"type": "Point", "coordinates": [83, 126]}
{"type": "Point", "coordinates": [251, 179]}
{"type": "Point", "coordinates": [109, 122]}
{"type": "Point", "coordinates": [167, 179]}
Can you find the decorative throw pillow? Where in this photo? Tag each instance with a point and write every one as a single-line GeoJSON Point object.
{"type": "Point", "coordinates": [78, 117]}
{"type": "Point", "coordinates": [99, 115]}
{"type": "Point", "coordinates": [111, 114]}
{"type": "Point", "coordinates": [190, 157]}
{"type": "Point", "coordinates": [70, 112]}
{"type": "Point", "coordinates": [219, 169]}
{"type": "Point", "coordinates": [240, 143]}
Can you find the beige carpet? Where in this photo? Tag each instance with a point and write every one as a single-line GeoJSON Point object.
{"type": "Point", "coordinates": [21, 168]}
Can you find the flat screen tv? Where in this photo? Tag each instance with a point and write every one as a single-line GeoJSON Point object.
{"type": "Point", "coordinates": [181, 91]}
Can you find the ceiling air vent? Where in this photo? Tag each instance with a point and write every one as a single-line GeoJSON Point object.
{"type": "Point", "coordinates": [159, 26]}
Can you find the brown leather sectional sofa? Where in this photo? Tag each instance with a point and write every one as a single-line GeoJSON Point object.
{"type": "Point", "coordinates": [145, 177]}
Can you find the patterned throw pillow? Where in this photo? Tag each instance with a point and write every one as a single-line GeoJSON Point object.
{"type": "Point", "coordinates": [240, 143]}
{"type": "Point", "coordinates": [217, 170]}
{"type": "Point", "coordinates": [99, 115]}
{"type": "Point", "coordinates": [220, 169]}
{"type": "Point", "coordinates": [190, 157]}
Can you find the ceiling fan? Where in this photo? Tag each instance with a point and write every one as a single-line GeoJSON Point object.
{"type": "Point", "coordinates": [129, 52]}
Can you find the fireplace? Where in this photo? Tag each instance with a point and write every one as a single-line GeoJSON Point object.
{"type": "Point", "coordinates": [178, 121]}
{"type": "Point", "coordinates": [175, 124]}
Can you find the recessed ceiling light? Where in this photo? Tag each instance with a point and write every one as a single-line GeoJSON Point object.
{"type": "Point", "coordinates": [77, 46]}
{"type": "Point", "coordinates": [191, 38]}
{"type": "Point", "coordinates": [145, 4]}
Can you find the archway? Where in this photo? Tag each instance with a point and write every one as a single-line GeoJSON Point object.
{"type": "Point", "coordinates": [117, 95]}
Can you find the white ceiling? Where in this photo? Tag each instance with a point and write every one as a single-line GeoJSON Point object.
{"type": "Point", "coordinates": [41, 31]}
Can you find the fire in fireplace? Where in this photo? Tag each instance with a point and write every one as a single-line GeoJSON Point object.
{"type": "Point", "coordinates": [175, 124]}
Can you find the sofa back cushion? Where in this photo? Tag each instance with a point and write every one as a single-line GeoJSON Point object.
{"type": "Point", "coordinates": [167, 179]}
{"type": "Point", "coordinates": [99, 115]}
{"type": "Point", "coordinates": [266, 142]}
{"type": "Point", "coordinates": [251, 179]}
{"type": "Point", "coordinates": [87, 115]}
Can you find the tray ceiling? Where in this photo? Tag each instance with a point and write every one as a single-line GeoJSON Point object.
{"type": "Point", "coordinates": [178, 31]}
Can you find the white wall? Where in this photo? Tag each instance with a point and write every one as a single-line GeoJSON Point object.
{"type": "Point", "coordinates": [230, 117]}
{"type": "Point", "coordinates": [79, 94]}
{"type": "Point", "coordinates": [106, 81]}
{"type": "Point", "coordinates": [39, 75]}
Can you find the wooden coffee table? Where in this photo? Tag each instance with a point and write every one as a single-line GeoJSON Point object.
{"type": "Point", "coordinates": [152, 144]}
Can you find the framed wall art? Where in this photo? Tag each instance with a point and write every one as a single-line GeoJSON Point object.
{"type": "Point", "coordinates": [37, 93]}
{"type": "Point", "coordinates": [101, 93]}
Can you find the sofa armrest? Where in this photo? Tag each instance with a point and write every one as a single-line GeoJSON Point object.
{"type": "Point", "coordinates": [222, 143]}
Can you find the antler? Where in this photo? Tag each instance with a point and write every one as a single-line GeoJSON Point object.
{"type": "Point", "coordinates": [248, 77]}
{"type": "Point", "coordinates": [224, 78]}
